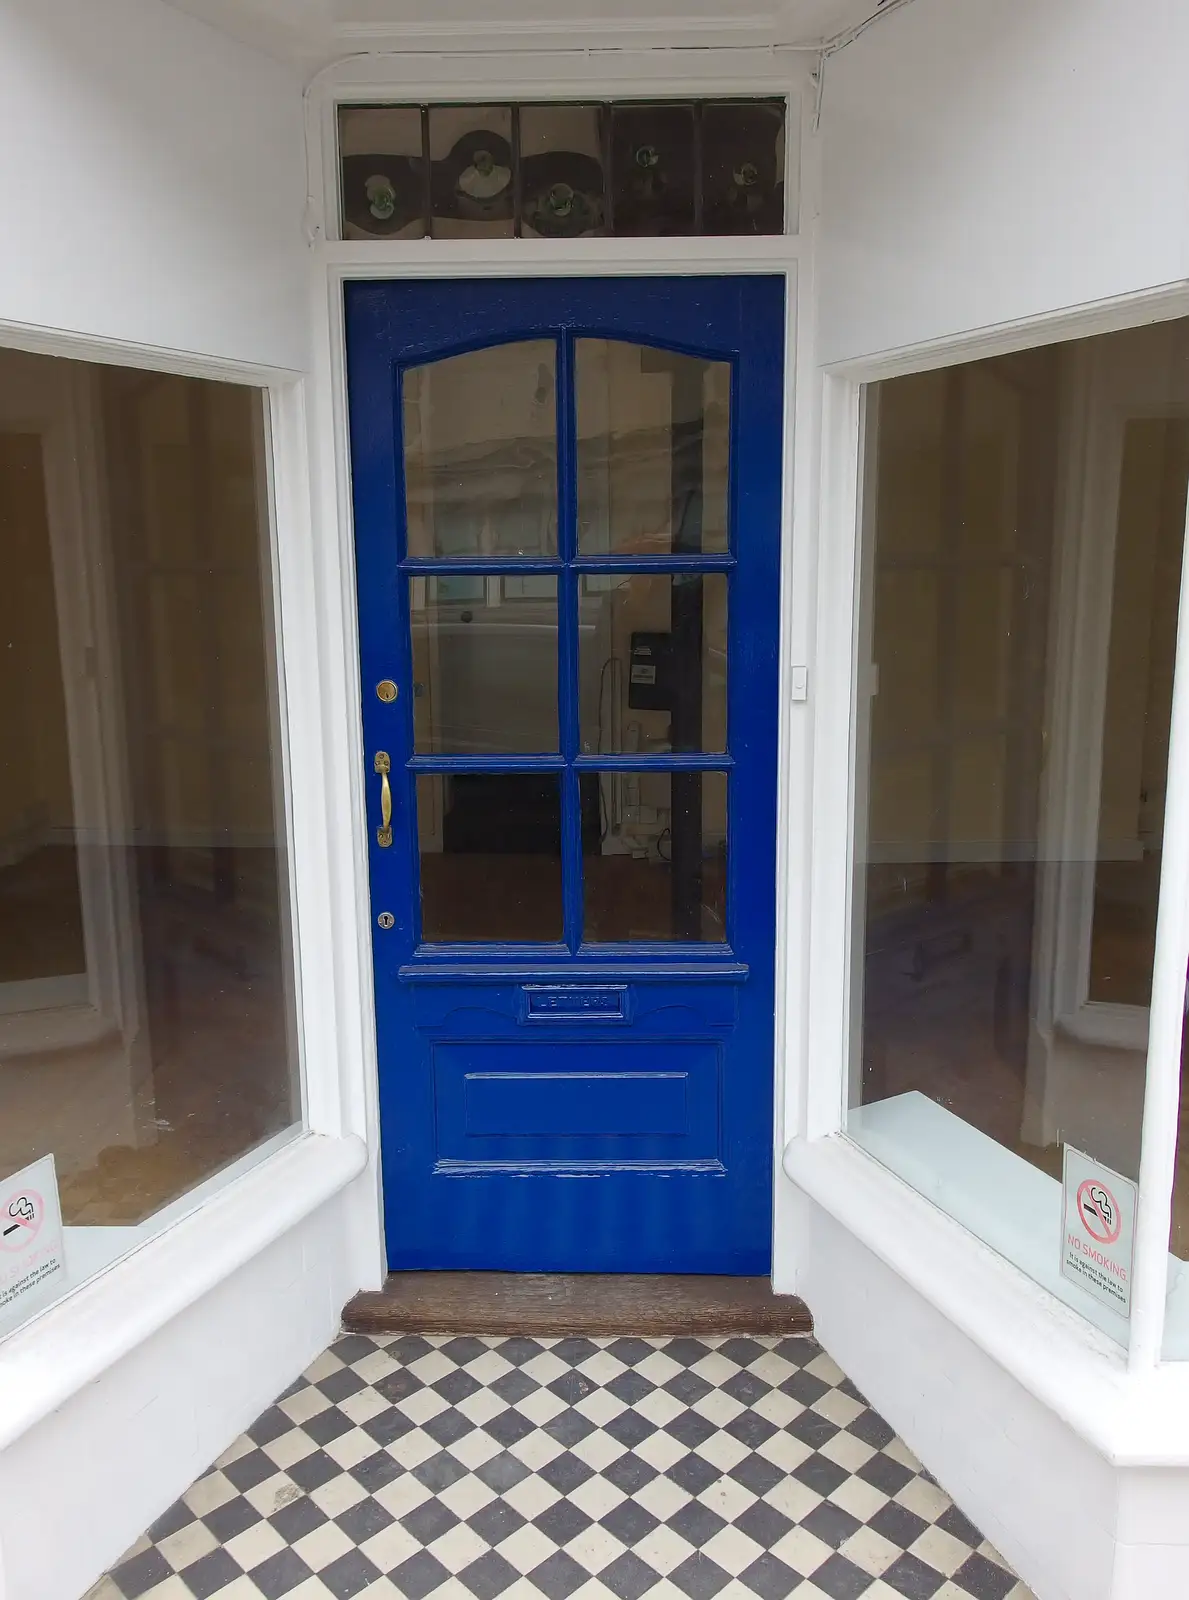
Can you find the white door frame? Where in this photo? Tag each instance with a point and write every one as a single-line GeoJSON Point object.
{"type": "Point", "coordinates": [579, 74]}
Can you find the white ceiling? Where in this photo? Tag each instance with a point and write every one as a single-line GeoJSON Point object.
{"type": "Point", "coordinates": [313, 32]}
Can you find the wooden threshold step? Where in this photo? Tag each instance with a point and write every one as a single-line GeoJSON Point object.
{"type": "Point", "coordinates": [555, 1303]}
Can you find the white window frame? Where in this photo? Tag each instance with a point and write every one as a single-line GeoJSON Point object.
{"type": "Point", "coordinates": [1100, 1390]}
{"type": "Point", "coordinates": [209, 1233]}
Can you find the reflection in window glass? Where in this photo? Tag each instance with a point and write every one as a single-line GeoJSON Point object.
{"type": "Point", "coordinates": [145, 1002]}
{"type": "Point", "coordinates": [652, 661]}
{"type": "Point", "coordinates": [1008, 843]}
{"type": "Point", "coordinates": [655, 856]}
{"type": "Point", "coordinates": [1143, 638]}
{"type": "Point", "coordinates": [490, 856]}
{"type": "Point", "coordinates": [480, 453]}
{"type": "Point", "coordinates": [653, 450]}
{"type": "Point", "coordinates": [484, 664]}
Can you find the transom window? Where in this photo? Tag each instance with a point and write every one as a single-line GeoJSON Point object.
{"type": "Point", "coordinates": [562, 171]}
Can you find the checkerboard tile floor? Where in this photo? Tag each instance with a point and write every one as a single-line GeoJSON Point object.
{"type": "Point", "coordinates": [464, 1469]}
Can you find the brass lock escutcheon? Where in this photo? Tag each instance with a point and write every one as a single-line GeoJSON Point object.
{"type": "Point", "coordinates": [382, 765]}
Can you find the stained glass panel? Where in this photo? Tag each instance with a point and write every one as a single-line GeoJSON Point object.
{"type": "Point", "coordinates": [743, 168]}
{"type": "Point", "coordinates": [561, 171]}
{"type": "Point", "coordinates": [470, 152]}
{"type": "Point", "coordinates": [384, 188]}
{"type": "Point", "coordinates": [652, 169]}
{"type": "Point", "coordinates": [565, 170]}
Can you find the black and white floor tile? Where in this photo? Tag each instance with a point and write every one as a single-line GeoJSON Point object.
{"type": "Point", "coordinates": [575, 1469]}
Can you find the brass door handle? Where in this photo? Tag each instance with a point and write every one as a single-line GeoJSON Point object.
{"type": "Point", "coordinates": [383, 765]}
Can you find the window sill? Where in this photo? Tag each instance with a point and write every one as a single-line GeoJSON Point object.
{"type": "Point", "coordinates": [1131, 1419]}
{"type": "Point", "coordinates": [70, 1344]}
{"type": "Point", "coordinates": [950, 1163]}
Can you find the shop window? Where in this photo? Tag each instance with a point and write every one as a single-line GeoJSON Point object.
{"type": "Point", "coordinates": [563, 171]}
{"type": "Point", "coordinates": [1023, 535]}
{"type": "Point", "coordinates": [146, 1007]}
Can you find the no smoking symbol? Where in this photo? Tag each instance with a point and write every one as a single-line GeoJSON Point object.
{"type": "Point", "coordinates": [1099, 1212]}
{"type": "Point", "coordinates": [21, 1219]}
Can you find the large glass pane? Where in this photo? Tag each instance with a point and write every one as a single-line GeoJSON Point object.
{"type": "Point", "coordinates": [480, 453]}
{"type": "Point", "coordinates": [383, 172]}
{"type": "Point", "coordinates": [652, 660]}
{"type": "Point", "coordinates": [1009, 832]}
{"type": "Point", "coordinates": [655, 856]}
{"type": "Point", "coordinates": [490, 856]}
{"type": "Point", "coordinates": [146, 1018]}
{"type": "Point", "coordinates": [653, 450]}
{"type": "Point", "coordinates": [485, 664]}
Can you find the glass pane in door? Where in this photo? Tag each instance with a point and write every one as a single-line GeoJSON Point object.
{"type": "Point", "coordinates": [480, 452]}
{"type": "Point", "coordinates": [655, 856]}
{"type": "Point", "coordinates": [652, 658]}
{"type": "Point", "coordinates": [653, 450]}
{"type": "Point", "coordinates": [485, 664]}
{"type": "Point", "coordinates": [490, 856]}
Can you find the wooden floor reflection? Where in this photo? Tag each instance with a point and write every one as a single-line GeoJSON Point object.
{"type": "Point", "coordinates": [195, 1075]}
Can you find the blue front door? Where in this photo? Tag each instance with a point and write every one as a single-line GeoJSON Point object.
{"type": "Point", "coordinates": [567, 522]}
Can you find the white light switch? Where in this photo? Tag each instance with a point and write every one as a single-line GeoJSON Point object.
{"type": "Point", "coordinates": [800, 683]}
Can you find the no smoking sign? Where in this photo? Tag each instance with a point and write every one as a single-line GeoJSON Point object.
{"type": "Point", "coordinates": [1098, 1230]}
{"type": "Point", "coordinates": [1098, 1211]}
{"type": "Point", "coordinates": [21, 1220]}
{"type": "Point", "coordinates": [32, 1262]}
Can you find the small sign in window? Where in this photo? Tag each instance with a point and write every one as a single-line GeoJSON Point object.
{"type": "Point", "coordinates": [32, 1264]}
{"type": "Point", "coordinates": [1098, 1230]}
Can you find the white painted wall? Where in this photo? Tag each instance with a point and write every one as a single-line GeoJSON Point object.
{"type": "Point", "coordinates": [983, 163]}
{"type": "Point", "coordinates": [986, 160]}
{"type": "Point", "coordinates": [152, 181]}
{"type": "Point", "coordinates": [152, 194]}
